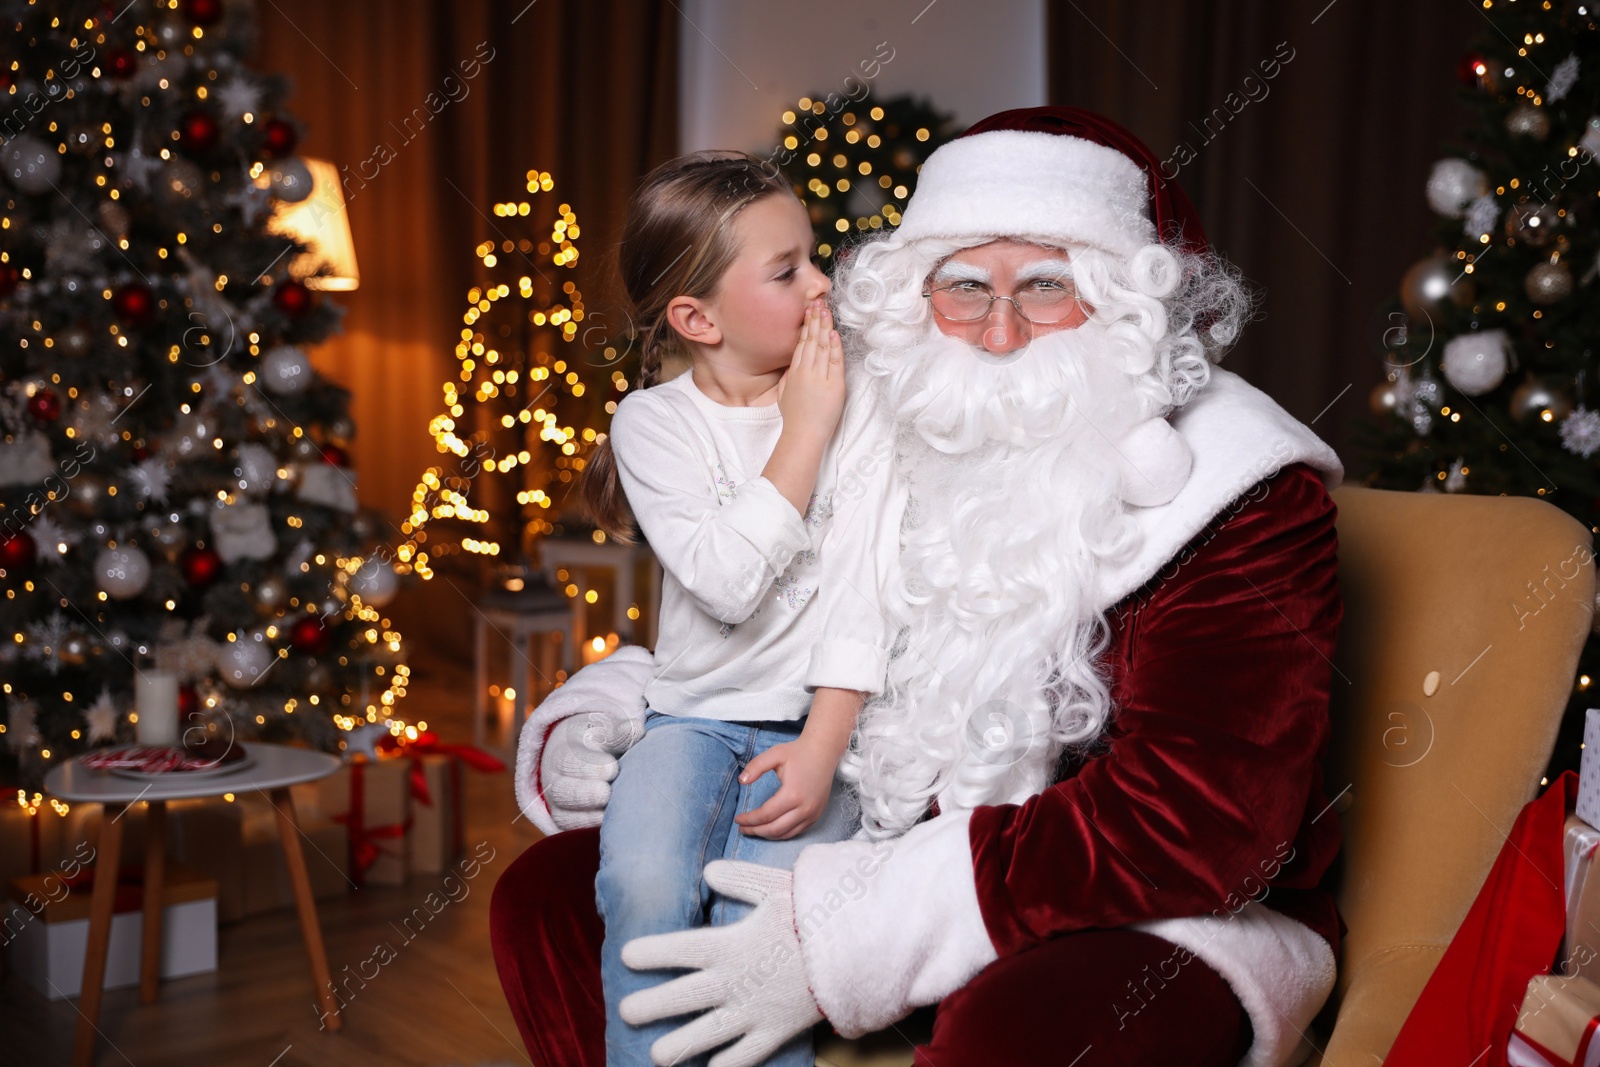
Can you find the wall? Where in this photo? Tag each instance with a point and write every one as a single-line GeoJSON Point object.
{"type": "Point", "coordinates": [744, 61]}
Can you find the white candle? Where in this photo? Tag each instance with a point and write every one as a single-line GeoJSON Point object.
{"type": "Point", "coordinates": [156, 698]}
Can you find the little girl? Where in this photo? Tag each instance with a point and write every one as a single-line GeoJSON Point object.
{"type": "Point", "coordinates": [762, 488]}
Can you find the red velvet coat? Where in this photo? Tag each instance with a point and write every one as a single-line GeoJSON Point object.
{"type": "Point", "coordinates": [1213, 778]}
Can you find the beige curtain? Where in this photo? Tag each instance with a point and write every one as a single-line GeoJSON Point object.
{"type": "Point", "coordinates": [1310, 180]}
{"type": "Point", "coordinates": [433, 111]}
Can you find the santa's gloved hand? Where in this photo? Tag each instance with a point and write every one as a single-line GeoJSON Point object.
{"type": "Point", "coordinates": [578, 763]}
{"type": "Point", "coordinates": [751, 974]}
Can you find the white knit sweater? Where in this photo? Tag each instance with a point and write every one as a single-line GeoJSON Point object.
{"type": "Point", "coordinates": [759, 605]}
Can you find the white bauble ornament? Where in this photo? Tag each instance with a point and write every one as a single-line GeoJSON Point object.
{"type": "Point", "coordinates": [31, 164]}
{"type": "Point", "coordinates": [1474, 363]}
{"type": "Point", "coordinates": [285, 370]}
{"type": "Point", "coordinates": [375, 582]}
{"type": "Point", "coordinates": [243, 660]}
{"type": "Point", "coordinates": [1453, 184]}
{"type": "Point", "coordinates": [123, 571]}
{"type": "Point", "coordinates": [290, 180]}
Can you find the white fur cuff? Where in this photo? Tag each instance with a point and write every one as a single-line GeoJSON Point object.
{"type": "Point", "coordinates": [889, 925]}
{"type": "Point", "coordinates": [1281, 970]}
{"type": "Point", "coordinates": [613, 686]}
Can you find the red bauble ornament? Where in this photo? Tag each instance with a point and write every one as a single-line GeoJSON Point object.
{"type": "Point", "coordinates": [278, 138]}
{"type": "Point", "coordinates": [201, 566]}
{"type": "Point", "coordinates": [121, 62]}
{"type": "Point", "coordinates": [199, 132]}
{"type": "Point", "coordinates": [310, 636]}
{"type": "Point", "coordinates": [134, 304]}
{"type": "Point", "coordinates": [292, 298]}
{"type": "Point", "coordinates": [18, 551]}
{"type": "Point", "coordinates": [202, 12]}
{"type": "Point", "coordinates": [10, 278]}
{"type": "Point", "coordinates": [335, 456]}
{"type": "Point", "coordinates": [45, 406]}
{"type": "Point", "coordinates": [188, 702]}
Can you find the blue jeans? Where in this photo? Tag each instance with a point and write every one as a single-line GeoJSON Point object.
{"type": "Point", "coordinates": [671, 812]}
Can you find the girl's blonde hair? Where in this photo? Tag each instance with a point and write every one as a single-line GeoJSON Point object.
{"type": "Point", "coordinates": [677, 241]}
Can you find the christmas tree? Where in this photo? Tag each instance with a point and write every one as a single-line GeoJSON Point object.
{"type": "Point", "coordinates": [853, 163]}
{"type": "Point", "coordinates": [539, 377]}
{"type": "Point", "coordinates": [1490, 348]}
{"type": "Point", "coordinates": [174, 482]}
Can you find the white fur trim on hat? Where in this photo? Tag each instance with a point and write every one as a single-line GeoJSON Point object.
{"type": "Point", "coordinates": [1028, 184]}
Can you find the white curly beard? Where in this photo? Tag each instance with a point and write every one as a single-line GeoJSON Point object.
{"type": "Point", "coordinates": [1014, 504]}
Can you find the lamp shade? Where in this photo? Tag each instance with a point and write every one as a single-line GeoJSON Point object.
{"type": "Point", "coordinates": [321, 223]}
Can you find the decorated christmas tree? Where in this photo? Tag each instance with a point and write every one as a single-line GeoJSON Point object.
{"type": "Point", "coordinates": [853, 163]}
{"type": "Point", "coordinates": [1492, 349]}
{"type": "Point", "coordinates": [538, 379]}
{"type": "Point", "coordinates": [175, 492]}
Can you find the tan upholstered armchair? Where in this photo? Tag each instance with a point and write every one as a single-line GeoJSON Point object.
{"type": "Point", "coordinates": [1464, 616]}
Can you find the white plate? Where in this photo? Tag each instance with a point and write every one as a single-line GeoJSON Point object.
{"type": "Point", "coordinates": [184, 776]}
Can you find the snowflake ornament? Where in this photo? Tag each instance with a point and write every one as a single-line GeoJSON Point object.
{"type": "Point", "coordinates": [1480, 216]}
{"type": "Point", "coordinates": [22, 725]}
{"type": "Point", "coordinates": [238, 97]}
{"type": "Point", "coordinates": [152, 476]}
{"type": "Point", "coordinates": [138, 167]}
{"type": "Point", "coordinates": [95, 419]}
{"type": "Point", "coordinates": [44, 641]}
{"type": "Point", "coordinates": [251, 200]}
{"type": "Point", "coordinates": [1562, 79]}
{"type": "Point", "coordinates": [102, 718]}
{"type": "Point", "coordinates": [1580, 432]}
{"type": "Point", "coordinates": [52, 539]}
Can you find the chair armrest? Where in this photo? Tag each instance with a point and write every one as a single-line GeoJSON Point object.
{"type": "Point", "coordinates": [1381, 994]}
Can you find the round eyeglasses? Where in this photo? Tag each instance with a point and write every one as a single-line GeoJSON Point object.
{"type": "Point", "coordinates": [1042, 302]}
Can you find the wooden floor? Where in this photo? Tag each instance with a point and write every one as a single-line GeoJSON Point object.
{"type": "Point", "coordinates": [436, 1003]}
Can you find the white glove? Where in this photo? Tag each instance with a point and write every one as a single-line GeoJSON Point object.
{"type": "Point", "coordinates": [752, 975]}
{"type": "Point", "coordinates": [579, 762]}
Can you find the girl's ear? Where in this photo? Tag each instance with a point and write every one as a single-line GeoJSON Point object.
{"type": "Point", "coordinates": [691, 319]}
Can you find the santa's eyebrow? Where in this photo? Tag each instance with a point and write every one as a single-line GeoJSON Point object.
{"type": "Point", "coordinates": [1045, 268]}
{"type": "Point", "coordinates": [958, 271]}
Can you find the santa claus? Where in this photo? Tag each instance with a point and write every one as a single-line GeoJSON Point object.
{"type": "Point", "coordinates": [1094, 829]}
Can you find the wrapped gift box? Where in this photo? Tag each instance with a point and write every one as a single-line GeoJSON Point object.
{"type": "Point", "coordinates": [207, 834]}
{"type": "Point", "coordinates": [436, 815]}
{"type": "Point", "coordinates": [372, 801]}
{"type": "Point", "coordinates": [48, 927]}
{"type": "Point", "coordinates": [1557, 1024]}
{"type": "Point", "coordinates": [324, 843]}
{"type": "Point", "coordinates": [436, 838]}
{"type": "Point", "coordinates": [1581, 947]}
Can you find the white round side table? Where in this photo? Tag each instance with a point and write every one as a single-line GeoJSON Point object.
{"type": "Point", "coordinates": [273, 769]}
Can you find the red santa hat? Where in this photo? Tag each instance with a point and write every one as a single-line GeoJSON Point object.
{"type": "Point", "coordinates": [1058, 175]}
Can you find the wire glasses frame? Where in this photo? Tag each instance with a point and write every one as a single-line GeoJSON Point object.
{"type": "Point", "coordinates": [970, 302]}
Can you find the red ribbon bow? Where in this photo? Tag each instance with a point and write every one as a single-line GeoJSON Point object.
{"type": "Point", "coordinates": [428, 744]}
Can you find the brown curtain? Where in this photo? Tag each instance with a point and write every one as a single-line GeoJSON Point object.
{"type": "Point", "coordinates": [1311, 181]}
{"type": "Point", "coordinates": [584, 89]}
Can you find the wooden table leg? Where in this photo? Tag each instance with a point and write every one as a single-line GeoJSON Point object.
{"type": "Point", "coordinates": [289, 832]}
{"type": "Point", "coordinates": [155, 858]}
{"type": "Point", "coordinates": [101, 902]}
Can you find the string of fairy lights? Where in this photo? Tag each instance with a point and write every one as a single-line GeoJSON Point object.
{"type": "Point", "coordinates": [539, 398]}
